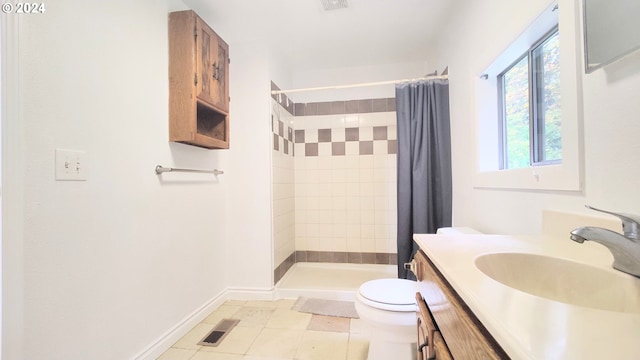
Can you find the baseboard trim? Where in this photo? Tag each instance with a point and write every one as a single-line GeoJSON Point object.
{"type": "Point", "coordinates": [240, 293]}
{"type": "Point", "coordinates": [166, 340]}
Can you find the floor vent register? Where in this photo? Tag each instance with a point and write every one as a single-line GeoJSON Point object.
{"type": "Point", "coordinates": [215, 337]}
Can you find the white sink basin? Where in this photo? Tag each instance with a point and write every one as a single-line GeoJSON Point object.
{"type": "Point", "coordinates": [563, 280]}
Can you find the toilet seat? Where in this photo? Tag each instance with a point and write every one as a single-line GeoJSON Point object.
{"type": "Point", "coordinates": [389, 294]}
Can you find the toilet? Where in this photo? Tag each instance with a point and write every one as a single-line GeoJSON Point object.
{"type": "Point", "coordinates": [388, 307]}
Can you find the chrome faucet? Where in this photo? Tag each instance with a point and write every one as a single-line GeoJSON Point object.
{"type": "Point", "coordinates": [625, 248]}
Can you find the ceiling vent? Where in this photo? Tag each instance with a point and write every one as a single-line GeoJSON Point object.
{"type": "Point", "coordinates": [334, 4]}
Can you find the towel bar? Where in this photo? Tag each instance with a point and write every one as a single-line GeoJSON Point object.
{"type": "Point", "coordinates": [161, 169]}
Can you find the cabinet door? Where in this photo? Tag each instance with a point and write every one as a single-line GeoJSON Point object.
{"type": "Point", "coordinates": [426, 330]}
{"type": "Point", "coordinates": [431, 345]}
{"type": "Point", "coordinates": [423, 340]}
{"type": "Point", "coordinates": [220, 86]}
{"type": "Point", "coordinates": [206, 55]}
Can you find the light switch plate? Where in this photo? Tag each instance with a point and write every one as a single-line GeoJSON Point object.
{"type": "Point", "coordinates": [70, 165]}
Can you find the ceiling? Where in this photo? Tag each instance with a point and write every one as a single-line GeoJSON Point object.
{"type": "Point", "coordinates": [368, 32]}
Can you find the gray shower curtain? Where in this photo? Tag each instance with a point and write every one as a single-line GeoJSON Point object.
{"type": "Point", "coordinates": [424, 163]}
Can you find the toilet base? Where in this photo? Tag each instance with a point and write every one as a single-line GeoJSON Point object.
{"type": "Point", "coordinates": [392, 342]}
{"type": "Point", "coordinates": [383, 350]}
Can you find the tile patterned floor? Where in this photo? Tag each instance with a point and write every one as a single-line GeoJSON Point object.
{"type": "Point", "coordinates": [270, 330]}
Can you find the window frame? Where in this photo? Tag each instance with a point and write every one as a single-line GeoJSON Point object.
{"type": "Point", "coordinates": [565, 176]}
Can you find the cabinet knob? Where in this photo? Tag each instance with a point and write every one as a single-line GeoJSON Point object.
{"type": "Point", "coordinates": [411, 266]}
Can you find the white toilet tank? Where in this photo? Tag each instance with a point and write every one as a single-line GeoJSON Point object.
{"type": "Point", "coordinates": [457, 230]}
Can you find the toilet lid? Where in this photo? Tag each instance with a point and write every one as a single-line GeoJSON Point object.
{"type": "Point", "coordinates": [389, 291]}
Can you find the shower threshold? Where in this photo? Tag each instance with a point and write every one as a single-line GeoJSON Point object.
{"type": "Point", "coordinates": [333, 281]}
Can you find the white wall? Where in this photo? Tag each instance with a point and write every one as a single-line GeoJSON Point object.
{"type": "Point", "coordinates": [113, 263]}
{"type": "Point", "coordinates": [12, 193]}
{"type": "Point", "coordinates": [476, 35]}
{"type": "Point", "coordinates": [249, 168]}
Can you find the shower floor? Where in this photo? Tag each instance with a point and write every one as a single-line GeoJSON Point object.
{"type": "Point", "coordinates": [330, 280]}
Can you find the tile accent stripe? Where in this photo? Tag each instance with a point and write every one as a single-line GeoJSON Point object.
{"type": "Point", "coordinates": [282, 136]}
{"type": "Point", "coordinates": [282, 99]}
{"type": "Point", "coordinates": [282, 269]}
{"type": "Point", "coordinates": [357, 141]}
{"type": "Point", "coordinates": [347, 257]}
{"type": "Point", "coordinates": [345, 107]}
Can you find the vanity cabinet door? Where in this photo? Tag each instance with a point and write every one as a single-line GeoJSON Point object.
{"type": "Point", "coordinates": [426, 330]}
{"type": "Point", "coordinates": [431, 345]}
{"type": "Point", "coordinates": [423, 340]}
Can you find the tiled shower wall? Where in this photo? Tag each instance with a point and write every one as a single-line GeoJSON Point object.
{"type": "Point", "coordinates": [334, 182]}
{"type": "Point", "coordinates": [345, 186]}
{"type": "Point", "coordinates": [283, 189]}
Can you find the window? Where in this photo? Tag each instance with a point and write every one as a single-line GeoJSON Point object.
{"type": "Point", "coordinates": [530, 113]}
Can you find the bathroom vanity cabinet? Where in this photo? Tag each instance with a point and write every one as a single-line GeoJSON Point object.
{"type": "Point", "coordinates": [198, 83]}
{"type": "Point", "coordinates": [447, 329]}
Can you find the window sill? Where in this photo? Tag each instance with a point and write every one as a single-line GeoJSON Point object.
{"type": "Point", "coordinates": [560, 177]}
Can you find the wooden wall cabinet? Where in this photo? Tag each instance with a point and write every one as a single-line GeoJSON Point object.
{"type": "Point", "coordinates": [198, 83]}
{"type": "Point", "coordinates": [447, 329]}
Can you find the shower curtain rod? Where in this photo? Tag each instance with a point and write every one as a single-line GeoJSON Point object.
{"type": "Point", "coordinates": [428, 77]}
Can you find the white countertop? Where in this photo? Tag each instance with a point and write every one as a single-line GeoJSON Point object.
{"type": "Point", "coordinates": [527, 326]}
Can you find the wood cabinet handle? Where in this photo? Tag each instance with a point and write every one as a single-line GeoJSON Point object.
{"type": "Point", "coordinates": [215, 71]}
{"type": "Point", "coordinates": [431, 351]}
{"type": "Point", "coordinates": [423, 345]}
